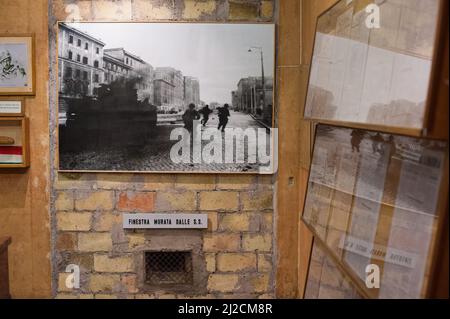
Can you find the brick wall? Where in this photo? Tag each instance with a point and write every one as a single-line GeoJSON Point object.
{"type": "Point", "coordinates": [237, 249]}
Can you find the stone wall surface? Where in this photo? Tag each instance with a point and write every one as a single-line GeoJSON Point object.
{"type": "Point", "coordinates": [236, 252]}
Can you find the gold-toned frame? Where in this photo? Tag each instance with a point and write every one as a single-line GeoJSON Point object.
{"type": "Point", "coordinates": [274, 96]}
{"type": "Point", "coordinates": [24, 122]}
{"type": "Point", "coordinates": [29, 39]}
{"type": "Point", "coordinates": [13, 99]}
{"type": "Point", "coordinates": [441, 214]}
{"type": "Point", "coordinates": [428, 112]}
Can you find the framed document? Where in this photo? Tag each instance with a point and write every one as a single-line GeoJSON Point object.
{"type": "Point", "coordinates": [373, 76]}
{"type": "Point", "coordinates": [372, 200]}
{"type": "Point", "coordinates": [17, 69]}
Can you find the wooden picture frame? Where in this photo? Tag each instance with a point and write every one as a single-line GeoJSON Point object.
{"type": "Point", "coordinates": [12, 106]}
{"type": "Point", "coordinates": [18, 68]}
{"type": "Point", "coordinates": [362, 193]}
{"type": "Point", "coordinates": [385, 110]}
{"type": "Point", "coordinates": [22, 129]}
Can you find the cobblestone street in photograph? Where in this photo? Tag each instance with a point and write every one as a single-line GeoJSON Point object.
{"type": "Point", "coordinates": [155, 156]}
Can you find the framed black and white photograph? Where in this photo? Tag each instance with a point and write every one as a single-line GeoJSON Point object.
{"type": "Point", "coordinates": [166, 97]}
{"type": "Point", "coordinates": [17, 64]}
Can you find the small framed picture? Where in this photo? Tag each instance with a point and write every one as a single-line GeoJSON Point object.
{"type": "Point", "coordinates": [17, 72]}
{"type": "Point", "coordinates": [12, 106]}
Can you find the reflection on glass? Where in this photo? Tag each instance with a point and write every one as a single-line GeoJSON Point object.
{"type": "Point", "coordinates": [375, 76]}
{"type": "Point", "coordinates": [372, 199]}
{"type": "Point", "coordinates": [325, 280]}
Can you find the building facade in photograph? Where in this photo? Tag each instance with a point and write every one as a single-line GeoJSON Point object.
{"type": "Point", "coordinates": [248, 97]}
{"type": "Point", "coordinates": [114, 69]}
{"type": "Point", "coordinates": [80, 62]}
{"type": "Point", "coordinates": [140, 70]}
{"type": "Point", "coordinates": [175, 78]}
{"type": "Point", "coordinates": [163, 94]}
{"type": "Point", "coordinates": [191, 90]}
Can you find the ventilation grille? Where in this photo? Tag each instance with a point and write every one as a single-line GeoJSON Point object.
{"type": "Point", "coordinates": [168, 268]}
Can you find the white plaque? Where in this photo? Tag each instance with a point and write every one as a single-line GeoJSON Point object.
{"type": "Point", "coordinates": [11, 107]}
{"type": "Point", "coordinates": [165, 221]}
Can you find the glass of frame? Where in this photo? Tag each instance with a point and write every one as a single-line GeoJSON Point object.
{"type": "Point", "coordinates": [17, 69]}
{"type": "Point", "coordinates": [325, 280]}
{"type": "Point", "coordinates": [372, 199]}
{"type": "Point", "coordinates": [373, 75]}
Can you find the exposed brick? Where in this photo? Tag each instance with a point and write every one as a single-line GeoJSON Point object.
{"type": "Point", "coordinates": [194, 9]}
{"type": "Point", "coordinates": [210, 260]}
{"type": "Point", "coordinates": [66, 241]}
{"type": "Point", "coordinates": [129, 283]}
{"type": "Point", "coordinates": [135, 240]}
{"type": "Point", "coordinates": [62, 287]}
{"type": "Point", "coordinates": [266, 9]}
{"type": "Point", "coordinates": [106, 283]}
{"type": "Point", "coordinates": [195, 182]}
{"type": "Point", "coordinates": [252, 242]}
{"type": "Point", "coordinates": [236, 182]}
{"type": "Point", "coordinates": [239, 222]}
{"type": "Point", "coordinates": [105, 296]}
{"type": "Point", "coordinates": [144, 296]}
{"type": "Point", "coordinates": [141, 202]}
{"type": "Point", "coordinates": [213, 221]}
{"type": "Point", "coordinates": [257, 200]}
{"type": "Point", "coordinates": [99, 200]}
{"type": "Point", "coordinates": [104, 221]}
{"type": "Point", "coordinates": [94, 242]}
{"type": "Point", "coordinates": [114, 181]}
{"type": "Point", "coordinates": [219, 201]}
{"type": "Point", "coordinates": [267, 222]}
{"type": "Point", "coordinates": [176, 201]}
{"type": "Point", "coordinates": [234, 262]}
{"type": "Point", "coordinates": [167, 296]}
{"type": "Point", "coordinates": [222, 282]}
{"type": "Point", "coordinates": [243, 10]}
{"type": "Point", "coordinates": [66, 296]}
{"type": "Point", "coordinates": [64, 201]}
{"type": "Point", "coordinates": [105, 9]}
{"type": "Point", "coordinates": [221, 242]}
{"type": "Point", "coordinates": [159, 182]}
{"type": "Point", "coordinates": [73, 221]}
{"type": "Point", "coordinates": [103, 263]}
{"type": "Point", "coordinates": [152, 10]}
{"type": "Point", "coordinates": [264, 262]}
{"type": "Point", "coordinates": [255, 283]}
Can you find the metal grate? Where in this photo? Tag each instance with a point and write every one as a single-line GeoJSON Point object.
{"type": "Point", "coordinates": [168, 268]}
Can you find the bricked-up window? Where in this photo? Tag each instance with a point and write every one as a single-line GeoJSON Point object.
{"type": "Point", "coordinates": [168, 268]}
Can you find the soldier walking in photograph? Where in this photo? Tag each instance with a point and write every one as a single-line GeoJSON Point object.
{"type": "Point", "coordinates": [224, 114]}
{"type": "Point", "coordinates": [206, 111]}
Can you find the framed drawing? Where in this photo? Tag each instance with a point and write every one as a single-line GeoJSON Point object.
{"type": "Point", "coordinates": [131, 101]}
{"type": "Point", "coordinates": [17, 70]}
{"type": "Point", "coordinates": [14, 147]}
{"type": "Point", "coordinates": [12, 106]}
{"type": "Point", "coordinates": [372, 198]}
{"type": "Point", "coordinates": [369, 76]}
